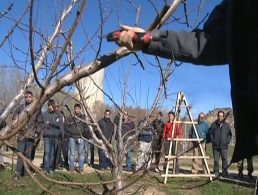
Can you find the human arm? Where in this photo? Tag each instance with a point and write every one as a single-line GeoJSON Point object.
{"type": "Point", "coordinates": [211, 134]}
{"type": "Point", "coordinates": [206, 46]}
{"type": "Point", "coordinates": [179, 131]}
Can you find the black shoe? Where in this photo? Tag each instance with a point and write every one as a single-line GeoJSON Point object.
{"type": "Point", "coordinates": [2, 167]}
{"type": "Point", "coordinates": [79, 170]}
{"type": "Point", "coordinates": [225, 175]}
{"type": "Point", "coordinates": [240, 175]}
{"type": "Point", "coordinates": [250, 176]}
{"type": "Point", "coordinates": [128, 170]}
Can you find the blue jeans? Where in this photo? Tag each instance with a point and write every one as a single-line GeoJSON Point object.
{"type": "Point", "coordinates": [50, 150]}
{"type": "Point", "coordinates": [86, 145]}
{"type": "Point", "coordinates": [128, 160]}
{"type": "Point", "coordinates": [65, 151]}
{"type": "Point", "coordinates": [80, 146]}
{"type": "Point", "coordinates": [89, 146]}
{"type": "Point", "coordinates": [104, 162]}
{"type": "Point", "coordinates": [25, 147]}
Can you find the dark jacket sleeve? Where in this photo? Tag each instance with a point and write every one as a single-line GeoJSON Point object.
{"type": "Point", "coordinates": [39, 123]}
{"type": "Point", "coordinates": [207, 46]}
{"type": "Point", "coordinates": [211, 133]}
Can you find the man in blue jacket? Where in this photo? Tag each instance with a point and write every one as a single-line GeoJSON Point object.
{"type": "Point", "coordinates": [202, 129]}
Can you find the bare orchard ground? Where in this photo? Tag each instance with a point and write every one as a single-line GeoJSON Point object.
{"type": "Point", "coordinates": [143, 186]}
{"type": "Point", "coordinates": [185, 164]}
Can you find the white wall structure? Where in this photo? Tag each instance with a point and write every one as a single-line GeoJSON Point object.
{"type": "Point", "coordinates": [92, 93]}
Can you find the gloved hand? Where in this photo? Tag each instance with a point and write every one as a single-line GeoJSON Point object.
{"type": "Point", "coordinates": [128, 37]}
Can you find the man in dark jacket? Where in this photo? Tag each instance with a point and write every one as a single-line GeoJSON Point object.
{"type": "Point", "coordinates": [53, 131]}
{"type": "Point", "coordinates": [27, 135]}
{"type": "Point", "coordinates": [226, 38]}
{"type": "Point", "coordinates": [158, 124]}
{"type": "Point", "coordinates": [76, 128]}
{"type": "Point", "coordinates": [220, 136]}
{"type": "Point", "coordinates": [107, 129]}
{"type": "Point", "coordinates": [127, 129]}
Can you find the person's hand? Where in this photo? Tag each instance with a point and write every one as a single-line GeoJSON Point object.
{"type": "Point", "coordinates": [127, 37]}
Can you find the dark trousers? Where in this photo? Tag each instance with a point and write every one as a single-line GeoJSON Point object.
{"type": "Point", "coordinates": [223, 153]}
{"type": "Point", "coordinates": [89, 146]}
{"type": "Point", "coordinates": [50, 150]}
{"type": "Point", "coordinates": [250, 168]}
{"type": "Point", "coordinates": [91, 154]}
{"type": "Point", "coordinates": [174, 153]}
{"type": "Point", "coordinates": [65, 149]}
{"type": "Point", "coordinates": [25, 147]}
{"type": "Point", "coordinates": [34, 148]}
{"type": "Point", "coordinates": [156, 149]}
{"type": "Point", "coordinates": [58, 157]}
{"type": "Point", "coordinates": [104, 162]}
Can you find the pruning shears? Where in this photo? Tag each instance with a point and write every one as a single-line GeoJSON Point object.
{"type": "Point", "coordinates": [112, 36]}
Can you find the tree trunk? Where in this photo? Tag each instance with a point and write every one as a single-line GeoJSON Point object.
{"type": "Point", "coordinates": [119, 184]}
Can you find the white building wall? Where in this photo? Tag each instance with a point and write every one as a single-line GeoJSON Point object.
{"type": "Point", "coordinates": [92, 93]}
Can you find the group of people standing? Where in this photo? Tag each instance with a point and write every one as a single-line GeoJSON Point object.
{"type": "Point", "coordinates": [219, 135]}
{"type": "Point", "coordinates": [61, 134]}
{"type": "Point", "coordinates": [67, 134]}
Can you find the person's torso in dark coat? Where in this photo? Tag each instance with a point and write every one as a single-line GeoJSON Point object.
{"type": "Point", "coordinates": [146, 134]}
{"type": "Point", "coordinates": [220, 135]}
{"type": "Point", "coordinates": [127, 127]}
{"type": "Point", "coordinates": [107, 128]}
{"type": "Point", "coordinates": [158, 125]}
{"type": "Point", "coordinates": [34, 126]}
{"type": "Point", "coordinates": [76, 128]}
{"type": "Point", "coordinates": [53, 125]}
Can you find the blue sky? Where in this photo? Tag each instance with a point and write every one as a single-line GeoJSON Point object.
{"type": "Point", "coordinates": [205, 87]}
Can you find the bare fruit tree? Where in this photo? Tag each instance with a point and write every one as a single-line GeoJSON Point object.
{"type": "Point", "coordinates": [59, 47]}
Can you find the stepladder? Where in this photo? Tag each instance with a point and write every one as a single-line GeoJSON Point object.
{"type": "Point", "coordinates": [183, 149]}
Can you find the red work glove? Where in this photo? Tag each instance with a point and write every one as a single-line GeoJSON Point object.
{"type": "Point", "coordinates": [129, 38]}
